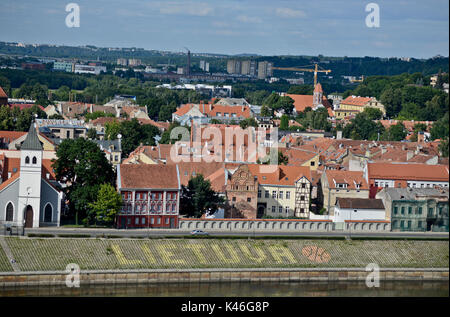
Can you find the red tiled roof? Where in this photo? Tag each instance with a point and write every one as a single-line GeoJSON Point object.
{"type": "Point", "coordinates": [143, 176]}
{"type": "Point", "coordinates": [439, 173]}
{"type": "Point", "coordinates": [346, 177]}
{"type": "Point", "coordinates": [10, 136]}
{"type": "Point", "coordinates": [279, 174]}
{"type": "Point", "coordinates": [2, 93]}
{"type": "Point", "coordinates": [355, 100]}
{"type": "Point", "coordinates": [22, 106]}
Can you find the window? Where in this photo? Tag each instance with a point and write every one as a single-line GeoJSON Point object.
{"type": "Point", "coordinates": [129, 221]}
{"type": "Point", "coordinates": [395, 223]}
{"type": "Point", "coordinates": [281, 194]}
{"type": "Point", "coordinates": [266, 194]}
{"type": "Point", "coordinates": [48, 213]}
{"type": "Point", "coordinates": [430, 211]}
{"type": "Point", "coordinates": [420, 210]}
{"type": "Point", "coordinates": [302, 210]}
{"type": "Point", "coordinates": [152, 221]}
{"type": "Point", "coordinates": [395, 210]}
{"type": "Point", "coordinates": [280, 209]}
{"type": "Point", "coordinates": [249, 199]}
{"type": "Point", "coordinates": [303, 185]}
{"type": "Point", "coordinates": [419, 224]}
{"type": "Point", "coordinates": [409, 223]}
{"type": "Point", "coordinates": [34, 160]}
{"type": "Point", "coordinates": [313, 163]}
{"type": "Point", "coordinates": [274, 194]}
{"type": "Point", "coordinates": [302, 197]}
{"type": "Point", "coordinates": [9, 212]}
{"type": "Point", "coordinates": [409, 210]}
{"type": "Point", "coordinates": [143, 221]}
{"type": "Point", "coordinates": [288, 195]}
{"type": "Point", "coordinates": [233, 199]}
{"type": "Point", "coordinates": [136, 221]}
{"type": "Point", "coordinates": [158, 221]}
{"type": "Point", "coordinates": [167, 221]}
{"type": "Point", "coordinates": [273, 208]}
{"type": "Point", "coordinates": [287, 209]}
{"type": "Point", "coordinates": [27, 160]}
{"type": "Point", "coordinates": [403, 210]}
{"type": "Point", "coordinates": [259, 193]}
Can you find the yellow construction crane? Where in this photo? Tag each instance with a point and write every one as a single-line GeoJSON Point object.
{"type": "Point", "coordinates": [315, 70]}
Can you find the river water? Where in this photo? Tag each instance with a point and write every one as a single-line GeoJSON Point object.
{"type": "Point", "coordinates": [247, 289]}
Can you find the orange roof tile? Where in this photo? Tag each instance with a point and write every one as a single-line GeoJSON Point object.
{"type": "Point", "coordinates": [279, 174]}
{"type": "Point", "coordinates": [351, 178]}
{"type": "Point", "coordinates": [355, 100]}
{"type": "Point", "coordinates": [143, 176]}
{"type": "Point", "coordinates": [3, 93]}
{"type": "Point", "coordinates": [405, 171]}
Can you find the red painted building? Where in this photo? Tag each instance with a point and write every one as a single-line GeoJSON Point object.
{"type": "Point", "coordinates": [150, 194]}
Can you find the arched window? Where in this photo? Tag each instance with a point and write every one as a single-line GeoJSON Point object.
{"type": "Point", "coordinates": [27, 160]}
{"type": "Point", "coordinates": [34, 160]}
{"type": "Point", "coordinates": [48, 213]}
{"type": "Point", "coordinates": [9, 212]}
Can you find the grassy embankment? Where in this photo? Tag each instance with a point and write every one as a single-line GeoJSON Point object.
{"type": "Point", "coordinates": [34, 254]}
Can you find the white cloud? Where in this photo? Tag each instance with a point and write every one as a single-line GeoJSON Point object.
{"type": "Point", "coordinates": [186, 8]}
{"type": "Point", "coordinates": [289, 13]}
{"type": "Point", "coordinates": [247, 19]}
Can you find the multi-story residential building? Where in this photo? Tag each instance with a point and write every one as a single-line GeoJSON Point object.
{"type": "Point", "coordinates": [256, 190]}
{"type": "Point", "coordinates": [122, 61]}
{"type": "Point", "coordinates": [64, 66]}
{"type": "Point", "coordinates": [265, 69]}
{"type": "Point", "coordinates": [134, 62]}
{"type": "Point", "coordinates": [417, 209]}
{"type": "Point", "coordinates": [233, 66]}
{"type": "Point", "coordinates": [342, 184]}
{"type": "Point", "coordinates": [62, 129]}
{"type": "Point", "coordinates": [352, 103]}
{"type": "Point", "coordinates": [150, 195]}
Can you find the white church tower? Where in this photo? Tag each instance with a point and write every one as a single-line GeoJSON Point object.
{"type": "Point", "coordinates": [317, 96]}
{"type": "Point", "coordinates": [30, 179]}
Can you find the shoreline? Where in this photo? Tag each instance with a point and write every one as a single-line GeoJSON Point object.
{"type": "Point", "coordinates": [157, 276]}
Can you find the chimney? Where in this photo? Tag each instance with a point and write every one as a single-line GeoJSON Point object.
{"type": "Point", "coordinates": [383, 150]}
{"type": "Point", "coordinates": [409, 155]}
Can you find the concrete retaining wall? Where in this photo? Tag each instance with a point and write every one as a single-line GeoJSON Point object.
{"type": "Point", "coordinates": [14, 279]}
{"type": "Point", "coordinates": [257, 225]}
{"type": "Point", "coordinates": [280, 225]}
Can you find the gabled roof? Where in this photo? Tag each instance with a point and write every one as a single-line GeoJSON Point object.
{"type": "Point", "coordinates": [146, 176]}
{"type": "Point", "coordinates": [32, 141]}
{"type": "Point", "coordinates": [279, 174]}
{"type": "Point", "coordinates": [351, 178]}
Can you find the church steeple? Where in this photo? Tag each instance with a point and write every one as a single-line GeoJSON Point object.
{"type": "Point", "coordinates": [317, 95]}
{"type": "Point", "coordinates": [32, 141]}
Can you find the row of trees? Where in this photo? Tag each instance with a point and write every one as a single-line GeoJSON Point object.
{"type": "Point", "coordinates": [14, 119]}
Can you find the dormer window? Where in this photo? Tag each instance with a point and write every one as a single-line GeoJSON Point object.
{"type": "Point", "coordinates": [27, 160]}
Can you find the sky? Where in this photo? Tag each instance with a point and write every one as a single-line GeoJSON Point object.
{"type": "Point", "coordinates": [408, 28]}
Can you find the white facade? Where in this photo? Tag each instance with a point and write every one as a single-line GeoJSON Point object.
{"type": "Point", "coordinates": [343, 214]}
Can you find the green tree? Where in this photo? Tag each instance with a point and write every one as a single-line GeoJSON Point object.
{"type": "Point", "coordinates": [284, 122]}
{"type": "Point", "coordinates": [440, 129]}
{"type": "Point", "coordinates": [373, 113]}
{"type": "Point", "coordinates": [249, 122]}
{"type": "Point", "coordinates": [198, 198]}
{"type": "Point", "coordinates": [92, 134]}
{"type": "Point", "coordinates": [107, 205]}
{"type": "Point", "coordinates": [396, 132]}
{"type": "Point", "coordinates": [266, 111]}
{"type": "Point", "coordinates": [83, 167]}
{"type": "Point", "coordinates": [443, 147]}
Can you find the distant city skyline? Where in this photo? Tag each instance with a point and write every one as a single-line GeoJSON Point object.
{"type": "Point", "coordinates": [286, 27]}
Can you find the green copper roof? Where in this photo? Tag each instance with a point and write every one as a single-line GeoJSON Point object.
{"type": "Point", "coordinates": [32, 141]}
